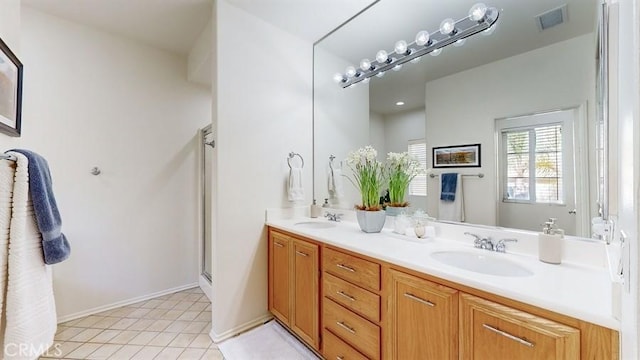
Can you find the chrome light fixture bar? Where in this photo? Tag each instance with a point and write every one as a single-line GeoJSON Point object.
{"type": "Point", "coordinates": [481, 18]}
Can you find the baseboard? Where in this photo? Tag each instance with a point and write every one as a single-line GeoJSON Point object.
{"type": "Point", "coordinates": [239, 329]}
{"type": "Point", "coordinates": [118, 304]}
{"type": "Point", "coordinates": [206, 287]}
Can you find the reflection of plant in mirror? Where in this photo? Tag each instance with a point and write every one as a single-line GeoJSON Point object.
{"type": "Point", "coordinates": [401, 168]}
{"type": "Point", "coordinates": [368, 177]}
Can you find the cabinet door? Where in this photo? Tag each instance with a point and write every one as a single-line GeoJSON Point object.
{"type": "Point", "coordinates": [494, 331]}
{"type": "Point", "coordinates": [424, 318]}
{"type": "Point", "coordinates": [306, 309]}
{"type": "Point", "coordinates": [279, 280]}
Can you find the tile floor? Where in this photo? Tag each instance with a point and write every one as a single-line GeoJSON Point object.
{"type": "Point", "coordinates": [174, 326]}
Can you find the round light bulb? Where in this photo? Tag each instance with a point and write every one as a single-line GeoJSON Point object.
{"type": "Point", "coordinates": [459, 42]}
{"type": "Point", "coordinates": [350, 72]}
{"type": "Point", "coordinates": [415, 60]}
{"type": "Point", "coordinates": [380, 74]}
{"type": "Point", "coordinates": [422, 38]}
{"type": "Point", "coordinates": [436, 52]}
{"type": "Point", "coordinates": [447, 26]}
{"type": "Point", "coordinates": [382, 56]}
{"type": "Point", "coordinates": [400, 103]}
{"type": "Point", "coordinates": [477, 12]}
{"type": "Point", "coordinates": [401, 47]}
{"type": "Point", "coordinates": [397, 67]}
{"type": "Point", "coordinates": [338, 78]}
{"type": "Point", "coordinates": [365, 64]}
{"type": "Point", "coordinates": [366, 80]}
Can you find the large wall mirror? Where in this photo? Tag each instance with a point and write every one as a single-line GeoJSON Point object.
{"type": "Point", "coordinates": [526, 93]}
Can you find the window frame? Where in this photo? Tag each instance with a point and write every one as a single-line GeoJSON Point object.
{"type": "Point", "coordinates": [423, 142]}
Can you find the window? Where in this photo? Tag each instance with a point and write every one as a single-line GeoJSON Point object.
{"type": "Point", "coordinates": [418, 150]}
{"type": "Point", "coordinates": [533, 164]}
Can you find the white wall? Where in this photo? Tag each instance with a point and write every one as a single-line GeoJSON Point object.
{"type": "Point", "coordinates": [503, 89]}
{"type": "Point", "coordinates": [10, 24]}
{"type": "Point", "coordinates": [94, 99]}
{"type": "Point", "coordinates": [263, 111]}
{"type": "Point", "coordinates": [628, 148]}
{"type": "Point", "coordinates": [341, 125]}
{"type": "Point", "coordinates": [376, 132]}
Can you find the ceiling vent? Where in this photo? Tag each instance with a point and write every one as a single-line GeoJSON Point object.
{"type": "Point", "coordinates": [552, 18]}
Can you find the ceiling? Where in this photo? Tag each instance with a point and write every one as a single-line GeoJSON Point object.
{"type": "Point", "coordinates": [172, 25]}
{"type": "Point", "coordinates": [391, 20]}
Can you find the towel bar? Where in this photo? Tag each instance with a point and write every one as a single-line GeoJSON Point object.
{"type": "Point", "coordinates": [480, 175]}
{"type": "Point", "coordinates": [291, 156]}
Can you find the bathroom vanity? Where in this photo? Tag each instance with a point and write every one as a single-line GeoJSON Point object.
{"type": "Point", "coordinates": [350, 295]}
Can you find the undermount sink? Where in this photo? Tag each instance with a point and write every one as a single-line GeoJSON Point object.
{"type": "Point", "coordinates": [315, 225]}
{"type": "Point", "coordinates": [485, 264]}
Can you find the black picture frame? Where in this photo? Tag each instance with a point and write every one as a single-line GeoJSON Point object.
{"type": "Point", "coordinates": [456, 156]}
{"type": "Point", "coordinates": [11, 74]}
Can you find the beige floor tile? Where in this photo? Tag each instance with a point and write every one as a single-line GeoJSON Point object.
{"type": "Point", "coordinates": [71, 322]}
{"type": "Point", "coordinates": [201, 341]}
{"type": "Point", "coordinates": [164, 297]}
{"type": "Point", "coordinates": [138, 304]}
{"type": "Point", "coordinates": [147, 353]}
{"type": "Point", "coordinates": [65, 348]}
{"type": "Point", "coordinates": [106, 322]}
{"type": "Point", "coordinates": [141, 324]}
{"type": "Point", "coordinates": [123, 311]}
{"type": "Point", "coordinates": [123, 324]}
{"type": "Point", "coordinates": [172, 315]}
{"type": "Point", "coordinates": [105, 336]}
{"type": "Point", "coordinates": [159, 325]}
{"type": "Point", "coordinates": [104, 352]}
{"type": "Point", "coordinates": [68, 333]}
{"type": "Point", "coordinates": [126, 352]}
{"type": "Point", "coordinates": [194, 297]}
{"type": "Point", "coordinates": [88, 321]}
{"type": "Point", "coordinates": [152, 304]}
{"type": "Point", "coordinates": [138, 312]}
{"type": "Point", "coordinates": [189, 315]}
{"type": "Point", "coordinates": [182, 340]}
{"type": "Point", "coordinates": [198, 306]}
{"type": "Point", "coordinates": [155, 314]}
{"type": "Point", "coordinates": [212, 354]}
{"type": "Point", "coordinates": [192, 354]}
{"type": "Point", "coordinates": [83, 351]}
{"type": "Point", "coordinates": [86, 335]}
{"type": "Point", "coordinates": [207, 329]}
{"type": "Point", "coordinates": [179, 296]}
{"type": "Point", "coordinates": [177, 326]}
{"type": "Point", "coordinates": [208, 308]}
{"type": "Point", "coordinates": [163, 339]}
{"type": "Point", "coordinates": [168, 304]}
{"type": "Point", "coordinates": [124, 337]}
{"type": "Point", "coordinates": [184, 305]}
{"type": "Point", "coordinates": [204, 316]}
{"type": "Point", "coordinates": [169, 354]}
{"type": "Point", "coordinates": [143, 338]}
{"type": "Point", "coordinates": [195, 327]}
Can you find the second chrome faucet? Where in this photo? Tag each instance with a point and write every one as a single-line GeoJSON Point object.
{"type": "Point", "coordinates": [487, 244]}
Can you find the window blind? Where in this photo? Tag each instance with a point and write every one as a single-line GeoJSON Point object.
{"type": "Point", "coordinates": [418, 150]}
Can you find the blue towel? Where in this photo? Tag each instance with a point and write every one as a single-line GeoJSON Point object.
{"type": "Point", "coordinates": [54, 244]}
{"type": "Point", "coordinates": [449, 184]}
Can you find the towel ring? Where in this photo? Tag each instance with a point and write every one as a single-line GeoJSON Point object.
{"type": "Point", "coordinates": [291, 156]}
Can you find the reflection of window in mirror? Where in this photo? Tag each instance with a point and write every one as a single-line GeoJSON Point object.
{"type": "Point", "coordinates": [417, 149]}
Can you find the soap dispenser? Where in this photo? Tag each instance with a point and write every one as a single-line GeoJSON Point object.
{"type": "Point", "coordinates": [326, 203]}
{"type": "Point", "coordinates": [550, 243]}
{"type": "Point", "coordinates": [315, 210]}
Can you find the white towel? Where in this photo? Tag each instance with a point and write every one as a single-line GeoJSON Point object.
{"type": "Point", "coordinates": [7, 174]}
{"type": "Point", "coordinates": [295, 190]}
{"type": "Point", "coordinates": [334, 183]}
{"type": "Point", "coordinates": [30, 305]}
{"type": "Point", "coordinates": [452, 210]}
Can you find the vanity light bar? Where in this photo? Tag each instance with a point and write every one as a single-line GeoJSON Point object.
{"type": "Point", "coordinates": [481, 18]}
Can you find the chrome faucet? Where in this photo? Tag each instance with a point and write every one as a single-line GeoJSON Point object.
{"type": "Point", "coordinates": [486, 243]}
{"type": "Point", "coordinates": [477, 242]}
{"type": "Point", "coordinates": [333, 217]}
{"type": "Point", "coordinates": [501, 247]}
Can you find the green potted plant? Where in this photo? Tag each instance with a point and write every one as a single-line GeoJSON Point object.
{"type": "Point", "coordinates": [368, 176]}
{"type": "Point", "coordinates": [401, 169]}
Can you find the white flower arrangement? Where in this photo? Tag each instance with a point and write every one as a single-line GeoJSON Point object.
{"type": "Point", "coordinates": [368, 176]}
{"type": "Point", "coordinates": [401, 169]}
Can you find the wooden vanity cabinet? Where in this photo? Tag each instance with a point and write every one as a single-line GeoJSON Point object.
{"type": "Point", "coordinates": [494, 331]}
{"type": "Point", "coordinates": [294, 271]}
{"type": "Point", "coordinates": [423, 318]}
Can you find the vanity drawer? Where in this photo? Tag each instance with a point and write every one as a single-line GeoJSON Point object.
{"type": "Point", "coordinates": [352, 297]}
{"type": "Point", "coordinates": [353, 269]}
{"type": "Point", "coordinates": [336, 349]}
{"type": "Point", "coordinates": [354, 329]}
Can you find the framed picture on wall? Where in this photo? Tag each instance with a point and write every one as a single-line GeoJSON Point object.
{"type": "Point", "coordinates": [10, 91]}
{"type": "Point", "coordinates": [456, 156]}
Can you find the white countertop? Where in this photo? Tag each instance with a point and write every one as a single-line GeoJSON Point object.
{"type": "Point", "coordinates": [574, 290]}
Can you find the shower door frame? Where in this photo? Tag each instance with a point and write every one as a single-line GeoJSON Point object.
{"type": "Point", "coordinates": [203, 181]}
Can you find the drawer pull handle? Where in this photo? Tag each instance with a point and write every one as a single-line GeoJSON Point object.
{"type": "Point", "coordinates": [301, 253]}
{"type": "Point", "coordinates": [349, 329]}
{"type": "Point", "coordinates": [343, 294]}
{"type": "Point", "coordinates": [339, 358]}
{"type": "Point", "coordinates": [507, 335]}
{"type": "Point", "coordinates": [278, 244]}
{"type": "Point", "coordinates": [345, 267]}
{"type": "Point", "coordinates": [422, 301]}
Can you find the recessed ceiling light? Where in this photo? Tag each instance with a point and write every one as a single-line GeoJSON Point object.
{"type": "Point", "coordinates": [400, 103]}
